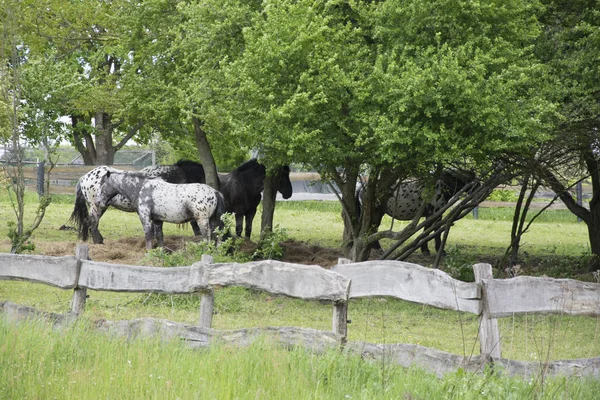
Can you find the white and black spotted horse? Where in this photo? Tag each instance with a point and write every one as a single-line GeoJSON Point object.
{"type": "Point", "coordinates": [157, 201]}
{"type": "Point", "coordinates": [88, 188]}
{"type": "Point", "coordinates": [408, 198]}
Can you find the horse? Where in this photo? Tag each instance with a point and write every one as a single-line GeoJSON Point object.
{"type": "Point", "coordinates": [242, 189]}
{"type": "Point", "coordinates": [88, 187]}
{"type": "Point", "coordinates": [158, 201]}
{"type": "Point", "coordinates": [407, 200]}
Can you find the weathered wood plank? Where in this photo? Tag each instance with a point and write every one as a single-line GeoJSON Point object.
{"type": "Point", "coordinates": [441, 363]}
{"type": "Point", "coordinates": [525, 294]}
{"type": "Point", "coordinates": [413, 355]}
{"type": "Point", "coordinates": [589, 367]}
{"type": "Point", "coordinates": [16, 313]}
{"type": "Point", "coordinates": [128, 278]}
{"type": "Point", "coordinates": [196, 336]}
{"type": "Point", "coordinates": [410, 282]}
{"type": "Point", "coordinates": [295, 280]}
{"type": "Point", "coordinates": [54, 271]}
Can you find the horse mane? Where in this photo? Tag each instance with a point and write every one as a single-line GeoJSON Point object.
{"type": "Point", "coordinates": [188, 163]}
{"type": "Point", "coordinates": [250, 164]}
{"type": "Point", "coordinates": [135, 174]}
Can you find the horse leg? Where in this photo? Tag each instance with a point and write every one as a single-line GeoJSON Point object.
{"type": "Point", "coordinates": [195, 227]}
{"type": "Point", "coordinates": [147, 225]}
{"type": "Point", "coordinates": [249, 218]}
{"type": "Point", "coordinates": [93, 222]}
{"type": "Point", "coordinates": [204, 228]}
{"type": "Point", "coordinates": [158, 233]}
{"type": "Point", "coordinates": [239, 221]}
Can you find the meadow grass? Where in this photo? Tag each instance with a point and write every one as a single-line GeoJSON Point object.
{"type": "Point", "coordinates": [373, 320]}
{"type": "Point", "coordinates": [40, 362]}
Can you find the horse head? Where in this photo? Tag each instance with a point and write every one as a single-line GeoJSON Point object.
{"type": "Point", "coordinates": [124, 183]}
{"type": "Point", "coordinates": [454, 180]}
{"type": "Point", "coordinates": [285, 185]}
{"type": "Point", "coordinates": [192, 170]}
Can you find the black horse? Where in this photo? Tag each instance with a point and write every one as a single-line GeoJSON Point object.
{"type": "Point", "coordinates": [89, 187]}
{"type": "Point", "coordinates": [242, 191]}
{"type": "Point", "coordinates": [407, 199]}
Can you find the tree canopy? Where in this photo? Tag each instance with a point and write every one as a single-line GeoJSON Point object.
{"type": "Point", "coordinates": [375, 91]}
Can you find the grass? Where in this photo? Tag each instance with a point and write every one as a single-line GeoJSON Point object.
{"type": "Point", "coordinates": [39, 362]}
{"type": "Point", "coordinates": [556, 247]}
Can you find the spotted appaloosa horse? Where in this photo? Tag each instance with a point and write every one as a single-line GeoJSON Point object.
{"type": "Point", "coordinates": [408, 198]}
{"type": "Point", "coordinates": [157, 201]}
{"type": "Point", "coordinates": [242, 191]}
{"type": "Point", "coordinates": [88, 187]}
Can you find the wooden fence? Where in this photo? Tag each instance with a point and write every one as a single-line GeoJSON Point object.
{"type": "Point", "coordinates": [487, 298]}
{"type": "Point", "coordinates": [63, 178]}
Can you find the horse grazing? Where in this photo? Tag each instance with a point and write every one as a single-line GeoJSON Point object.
{"type": "Point", "coordinates": [157, 201]}
{"type": "Point", "coordinates": [242, 189]}
{"type": "Point", "coordinates": [407, 200]}
{"type": "Point", "coordinates": [88, 187]}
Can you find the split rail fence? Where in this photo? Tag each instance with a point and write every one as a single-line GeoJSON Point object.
{"type": "Point", "coordinates": [487, 298]}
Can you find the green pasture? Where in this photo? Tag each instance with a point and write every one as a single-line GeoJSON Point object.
{"type": "Point", "coordinates": [556, 246]}
{"type": "Point", "coordinates": [39, 362]}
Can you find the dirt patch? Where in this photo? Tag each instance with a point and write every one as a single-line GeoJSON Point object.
{"type": "Point", "coordinates": [304, 253]}
{"type": "Point", "coordinates": [132, 250]}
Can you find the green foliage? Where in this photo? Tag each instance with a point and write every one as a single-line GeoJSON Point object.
{"type": "Point", "coordinates": [459, 264]}
{"type": "Point", "coordinates": [19, 241]}
{"type": "Point", "coordinates": [503, 195]}
{"type": "Point", "coordinates": [269, 246]}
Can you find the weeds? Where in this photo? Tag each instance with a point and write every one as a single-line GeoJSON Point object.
{"type": "Point", "coordinates": [459, 264]}
{"type": "Point", "coordinates": [269, 246]}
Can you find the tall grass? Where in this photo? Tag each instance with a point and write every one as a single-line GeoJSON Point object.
{"type": "Point", "coordinates": [39, 362]}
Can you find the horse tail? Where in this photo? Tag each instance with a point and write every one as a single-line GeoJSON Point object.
{"type": "Point", "coordinates": [215, 218]}
{"type": "Point", "coordinates": [80, 215]}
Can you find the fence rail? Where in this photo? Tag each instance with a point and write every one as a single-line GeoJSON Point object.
{"type": "Point", "coordinates": [487, 297]}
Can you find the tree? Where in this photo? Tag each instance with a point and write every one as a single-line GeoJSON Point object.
{"type": "Point", "coordinates": [76, 69]}
{"type": "Point", "coordinates": [12, 56]}
{"type": "Point", "coordinates": [570, 47]}
{"type": "Point", "coordinates": [388, 90]}
{"type": "Point", "coordinates": [181, 51]}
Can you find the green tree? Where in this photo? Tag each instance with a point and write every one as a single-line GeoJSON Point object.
{"type": "Point", "coordinates": [75, 68]}
{"type": "Point", "coordinates": [181, 50]}
{"type": "Point", "coordinates": [12, 56]}
{"type": "Point", "coordinates": [570, 47]}
{"type": "Point", "coordinates": [389, 90]}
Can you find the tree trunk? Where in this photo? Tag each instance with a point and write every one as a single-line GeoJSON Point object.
{"type": "Point", "coordinates": [594, 233]}
{"type": "Point", "coordinates": [87, 149]}
{"type": "Point", "coordinates": [592, 217]}
{"type": "Point", "coordinates": [359, 225]}
{"type": "Point", "coordinates": [105, 151]}
{"type": "Point", "coordinates": [206, 157]}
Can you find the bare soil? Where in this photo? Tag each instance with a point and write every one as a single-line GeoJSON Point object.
{"type": "Point", "coordinates": [131, 250]}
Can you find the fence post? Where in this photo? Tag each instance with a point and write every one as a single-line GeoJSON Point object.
{"type": "Point", "coordinates": [82, 252]}
{"type": "Point", "coordinates": [340, 311]}
{"type": "Point", "coordinates": [207, 300]}
{"type": "Point", "coordinates": [489, 334]}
